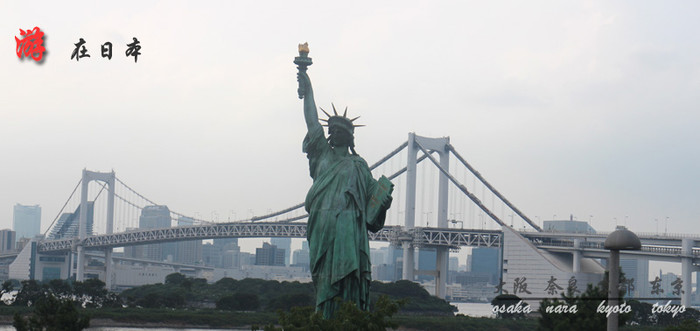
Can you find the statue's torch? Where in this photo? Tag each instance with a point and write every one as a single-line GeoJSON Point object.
{"type": "Point", "coordinates": [303, 61]}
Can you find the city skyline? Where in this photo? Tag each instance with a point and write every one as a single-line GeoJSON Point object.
{"type": "Point", "coordinates": [583, 109]}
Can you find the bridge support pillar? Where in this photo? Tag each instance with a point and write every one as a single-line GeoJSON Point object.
{"type": "Point", "coordinates": [408, 249]}
{"type": "Point", "coordinates": [441, 265]}
{"type": "Point", "coordinates": [69, 264]}
{"type": "Point", "coordinates": [109, 229]}
{"type": "Point", "coordinates": [686, 270]}
{"type": "Point", "coordinates": [408, 258]}
{"type": "Point", "coordinates": [576, 260]}
{"type": "Point", "coordinates": [82, 226]}
{"type": "Point", "coordinates": [443, 253]}
{"type": "Point", "coordinates": [109, 179]}
{"type": "Point", "coordinates": [108, 269]}
{"type": "Point", "coordinates": [80, 260]}
{"type": "Point", "coordinates": [439, 145]}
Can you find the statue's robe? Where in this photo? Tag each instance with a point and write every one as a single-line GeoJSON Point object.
{"type": "Point", "coordinates": [338, 203]}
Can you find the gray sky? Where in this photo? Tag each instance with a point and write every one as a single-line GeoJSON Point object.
{"type": "Point", "coordinates": [583, 108]}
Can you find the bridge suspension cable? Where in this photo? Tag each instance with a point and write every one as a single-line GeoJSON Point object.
{"type": "Point", "coordinates": [63, 208]}
{"type": "Point", "coordinates": [460, 186]}
{"type": "Point", "coordinates": [426, 154]}
{"type": "Point", "coordinates": [297, 206]}
{"type": "Point", "coordinates": [388, 156]}
{"type": "Point", "coordinates": [491, 188]}
{"type": "Point", "coordinates": [155, 204]}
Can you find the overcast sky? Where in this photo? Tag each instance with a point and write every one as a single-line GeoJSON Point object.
{"type": "Point", "coordinates": [583, 108]}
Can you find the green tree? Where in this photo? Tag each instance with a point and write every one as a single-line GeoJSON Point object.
{"type": "Point", "coordinates": [348, 317]}
{"type": "Point", "coordinates": [92, 293]}
{"type": "Point", "coordinates": [150, 300]}
{"type": "Point", "coordinates": [419, 300]}
{"type": "Point", "coordinates": [52, 314]}
{"type": "Point", "coordinates": [247, 301]}
{"type": "Point", "coordinates": [227, 283]}
{"type": "Point", "coordinates": [642, 315]}
{"type": "Point", "coordinates": [7, 287]}
{"type": "Point", "coordinates": [239, 301]}
{"type": "Point", "coordinates": [287, 301]}
{"type": "Point", "coordinates": [227, 303]}
{"type": "Point", "coordinates": [175, 278]}
{"type": "Point", "coordinates": [59, 288]}
{"type": "Point", "coordinates": [685, 325]}
{"type": "Point", "coordinates": [30, 292]}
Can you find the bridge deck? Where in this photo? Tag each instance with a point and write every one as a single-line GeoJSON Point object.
{"type": "Point", "coordinates": [418, 236]}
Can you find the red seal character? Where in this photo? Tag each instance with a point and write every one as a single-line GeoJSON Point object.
{"type": "Point", "coordinates": [31, 44]}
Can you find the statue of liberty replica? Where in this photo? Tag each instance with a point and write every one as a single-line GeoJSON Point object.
{"type": "Point", "coordinates": [343, 203]}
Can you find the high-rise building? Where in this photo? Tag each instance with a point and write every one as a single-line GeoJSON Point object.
{"type": "Point", "coordinates": [211, 255]}
{"type": "Point", "coordinates": [427, 261]}
{"type": "Point", "coordinates": [269, 255]}
{"type": "Point", "coordinates": [485, 260]}
{"type": "Point", "coordinates": [68, 225]}
{"type": "Point", "coordinates": [188, 251]}
{"type": "Point", "coordinates": [301, 256]}
{"type": "Point", "coordinates": [453, 263]}
{"type": "Point", "coordinates": [231, 258]}
{"type": "Point", "coordinates": [7, 240]}
{"type": "Point", "coordinates": [226, 243]}
{"type": "Point", "coordinates": [378, 255]}
{"type": "Point", "coordinates": [636, 272]}
{"type": "Point", "coordinates": [153, 217]}
{"type": "Point", "coordinates": [668, 283]}
{"type": "Point", "coordinates": [26, 221]}
{"type": "Point", "coordinates": [285, 244]}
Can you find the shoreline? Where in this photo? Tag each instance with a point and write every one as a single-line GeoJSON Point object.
{"type": "Point", "coordinates": [110, 323]}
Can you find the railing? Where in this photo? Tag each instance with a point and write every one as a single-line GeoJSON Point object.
{"type": "Point", "coordinates": [646, 235]}
{"type": "Point", "coordinates": [662, 250]}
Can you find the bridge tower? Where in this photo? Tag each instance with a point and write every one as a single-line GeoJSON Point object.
{"type": "Point", "coordinates": [109, 179]}
{"type": "Point", "coordinates": [439, 145]}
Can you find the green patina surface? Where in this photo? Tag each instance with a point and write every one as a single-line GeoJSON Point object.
{"type": "Point", "coordinates": [343, 203]}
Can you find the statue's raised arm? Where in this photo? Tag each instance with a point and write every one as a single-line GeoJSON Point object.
{"type": "Point", "coordinates": [307, 93]}
{"type": "Point", "coordinates": [305, 90]}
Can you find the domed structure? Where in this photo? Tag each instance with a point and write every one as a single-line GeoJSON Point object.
{"type": "Point", "coordinates": [623, 239]}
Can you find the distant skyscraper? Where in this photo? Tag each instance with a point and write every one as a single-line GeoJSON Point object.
{"type": "Point", "coordinates": [636, 271]}
{"type": "Point", "coordinates": [7, 240]}
{"type": "Point", "coordinates": [283, 243]}
{"type": "Point", "coordinates": [231, 258]}
{"type": "Point", "coordinates": [485, 260]}
{"type": "Point", "coordinates": [226, 243]}
{"type": "Point", "coordinates": [269, 255]}
{"type": "Point", "coordinates": [378, 255]}
{"type": "Point", "coordinates": [427, 258]}
{"type": "Point", "coordinates": [454, 263]}
{"type": "Point", "coordinates": [68, 224]}
{"type": "Point", "coordinates": [301, 256]}
{"type": "Point", "coordinates": [211, 255]}
{"type": "Point", "coordinates": [188, 251]}
{"type": "Point", "coordinates": [153, 217]}
{"type": "Point", "coordinates": [27, 221]}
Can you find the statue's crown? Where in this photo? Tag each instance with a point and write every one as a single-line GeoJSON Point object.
{"type": "Point", "coordinates": [341, 121]}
